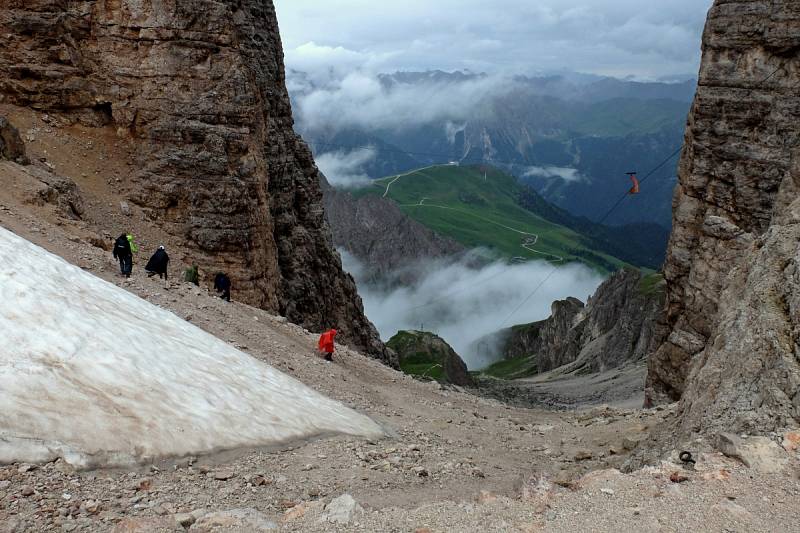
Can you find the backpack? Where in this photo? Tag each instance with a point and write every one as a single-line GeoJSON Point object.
{"type": "Point", "coordinates": [122, 247]}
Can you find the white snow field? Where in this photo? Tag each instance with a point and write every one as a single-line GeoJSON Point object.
{"type": "Point", "coordinates": [102, 378]}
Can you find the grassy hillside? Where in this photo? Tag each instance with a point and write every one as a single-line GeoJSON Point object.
{"type": "Point", "coordinates": [514, 368]}
{"type": "Point", "coordinates": [478, 206]}
{"type": "Point", "coordinates": [426, 355]}
{"type": "Point", "coordinates": [415, 359]}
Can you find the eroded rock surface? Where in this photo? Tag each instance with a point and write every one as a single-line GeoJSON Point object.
{"type": "Point", "coordinates": [198, 87]}
{"type": "Point", "coordinates": [382, 237]}
{"type": "Point", "coordinates": [758, 453]}
{"type": "Point", "coordinates": [615, 327]}
{"type": "Point", "coordinates": [11, 145]}
{"type": "Point", "coordinates": [731, 327]}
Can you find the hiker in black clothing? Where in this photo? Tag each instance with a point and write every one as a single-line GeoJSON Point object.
{"type": "Point", "coordinates": [222, 283]}
{"type": "Point", "coordinates": [158, 264]}
{"type": "Point", "coordinates": [122, 251]}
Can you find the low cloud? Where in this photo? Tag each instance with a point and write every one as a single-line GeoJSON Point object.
{"type": "Point", "coordinates": [451, 130]}
{"type": "Point", "coordinates": [322, 64]}
{"type": "Point", "coordinates": [344, 170]}
{"type": "Point", "coordinates": [463, 303]}
{"type": "Point", "coordinates": [361, 100]}
{"type": "Point", "coordinates": [566, 174]}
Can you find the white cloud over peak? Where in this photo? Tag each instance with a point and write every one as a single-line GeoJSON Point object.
{"type": "Point", "coordinates": [359, 99]}
{"type": "Point", "coordinates": [344, 169]}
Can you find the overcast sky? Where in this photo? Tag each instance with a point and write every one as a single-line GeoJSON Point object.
{"type": "Point", "coordinates": [641, 38]}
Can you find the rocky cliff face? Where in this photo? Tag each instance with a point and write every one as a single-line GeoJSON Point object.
{"type": "Point", "coordinates": [731, 327]}
{"type": "Point", "coordinates": [617, 326]}
{"type": "Point", "coordinates": [376, 232]}
{"type": "Point", "coordinates": [552, 342]}
{"type": "Point", "coordinates": [198, 87]}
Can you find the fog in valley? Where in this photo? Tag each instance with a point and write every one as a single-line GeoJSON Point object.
{"type": "Point", "coordinates": [463, 303]}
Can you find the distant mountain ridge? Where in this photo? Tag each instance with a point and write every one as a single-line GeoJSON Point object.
{"type": "Point", "coordinates": [593, 127]}
{"type": "Point", "coordinates": [578, 87]}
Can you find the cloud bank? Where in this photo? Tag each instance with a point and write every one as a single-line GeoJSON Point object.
{"type": "Point", "coordinates": [607, 37]}
{"type": "Point", "coordinates": [334, 52]}
{"type": "Point", "coordinates": [566, 174]}
{"type": "Point", "coordinates": [343, 169]}
{"type": "Point", "coordinates": [360, 100]}
{"type": "Point", "coordinates": [462, 303]}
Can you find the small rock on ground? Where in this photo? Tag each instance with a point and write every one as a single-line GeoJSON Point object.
{"type": "Point", "coordinates": [342, 510]}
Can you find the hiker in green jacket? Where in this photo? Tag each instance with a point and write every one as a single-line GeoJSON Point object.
{"type": "Point", "coordinates": [134, 248]}
{"type": "Point", "coordinates": [122, 252]}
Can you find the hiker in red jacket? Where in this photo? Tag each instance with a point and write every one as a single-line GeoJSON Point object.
{"type": "Point", "coordinates": [326, 345]}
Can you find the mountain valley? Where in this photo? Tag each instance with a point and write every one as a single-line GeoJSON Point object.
{"type": "Point", "coordinates": [523, 344]}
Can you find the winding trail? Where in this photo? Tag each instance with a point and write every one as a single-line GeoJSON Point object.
{"type": "Point", "coordinates": [389, 185]}
{"type": "Point", "coordinates": [528, 243]}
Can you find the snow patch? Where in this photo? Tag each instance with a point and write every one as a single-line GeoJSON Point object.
{"type": "Point", "coordinates": [102, 378]}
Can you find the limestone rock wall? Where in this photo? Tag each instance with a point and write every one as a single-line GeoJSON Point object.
{"type": "Point", "coordinates": [199, 85]}
{"type": "Point", "coordinates": [731, 323]}
{"type": "Point", "coordinates": [553, 341]}
{"type": "Point", "coordinates": [617, 326]}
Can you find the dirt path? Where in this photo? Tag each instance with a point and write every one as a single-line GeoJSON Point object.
{"type": "Point", "coordinates": [619, 388]}
{"type": "Point", "coordinates": [410, 172]}
{"type": "Point", "coordinates": [529, 241]}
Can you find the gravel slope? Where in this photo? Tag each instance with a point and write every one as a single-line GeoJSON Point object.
{"type": "Point", "coordinates": [456, 461]}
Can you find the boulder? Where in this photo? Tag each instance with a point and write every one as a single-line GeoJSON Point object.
{"type": "Point", "coordinates": [791, 441]}
{"type": "Point", "coordinates": [630, 443]}
{"type": "Point", "coordinates": [11, 145]}
{"type": "Point", "coordinates": [223, 474]}
{"type": "Point", "coordinates": [247, 519]}
{"type": "Point", "coordinates": [342, 510]}
{"type": "Point", "coordinates": [61, 192]}
{"type": "Point", "coordinates": [759, 453]}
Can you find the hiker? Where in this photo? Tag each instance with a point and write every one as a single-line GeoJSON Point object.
{"type": "Point", "coordinates": [326, 345]}
{"type": "Point", "coordinates": [124, 253]}
{"type": "Point", "coordinates": [158, 264]}
{"type": "Point", "coordinates": [134, 248]}
{"type": "Point", "coordinates": [222, 283]}
{"type": "Point", "coordinates": [191, 275]}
